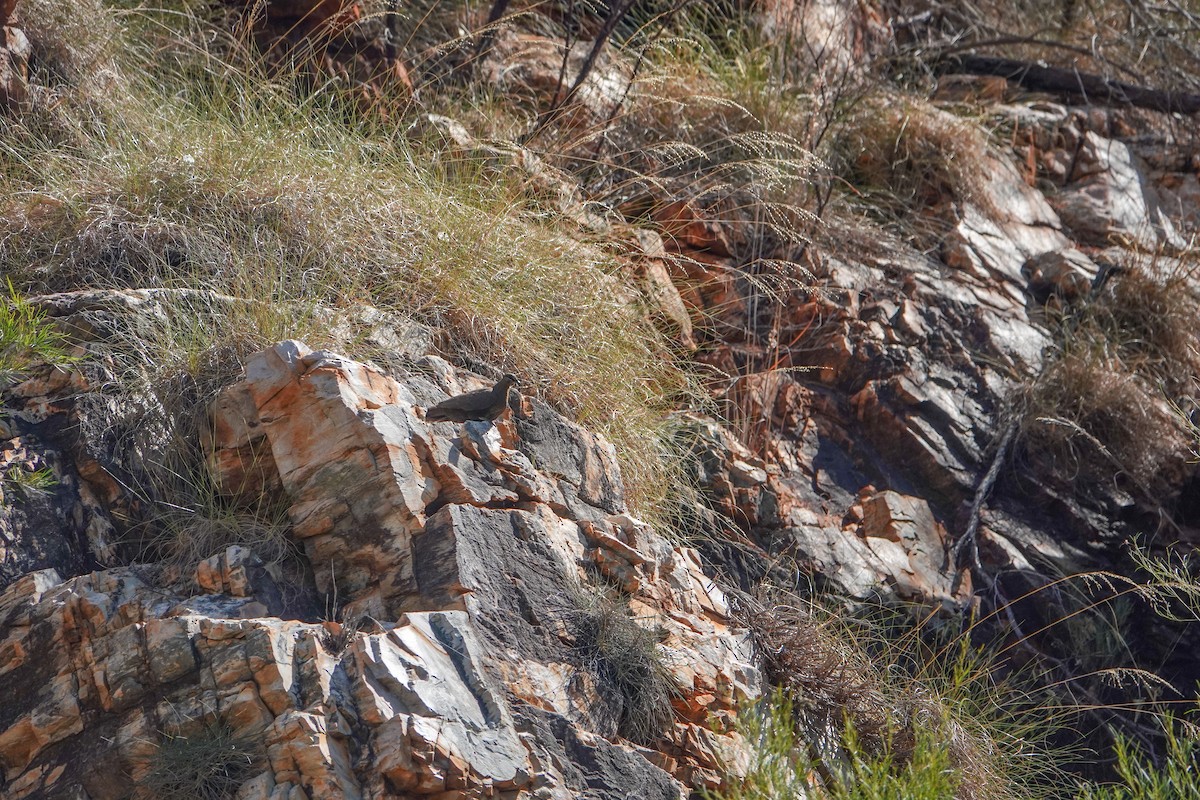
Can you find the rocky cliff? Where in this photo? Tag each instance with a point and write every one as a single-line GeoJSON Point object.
{"type": "Point", "coordinates": [964, 378]}
{"type": "Point", "coordinates": [488, 602]}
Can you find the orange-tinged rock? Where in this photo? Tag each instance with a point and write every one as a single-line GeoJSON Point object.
{"type": "Point", "coordinates": [353, 469]}
{"type": "Point", "coordinates": [14, 68]}
{"type": "Point", "coordinates": [686, 228]}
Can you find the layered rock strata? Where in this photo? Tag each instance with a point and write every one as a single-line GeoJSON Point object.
{"type": "Point", "coordinates": [448, 662]}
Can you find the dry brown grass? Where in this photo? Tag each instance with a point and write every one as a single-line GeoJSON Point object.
{"type": "Point", "coordinates": [1092, 417]}
{"type": "Point", "coordinates": [908, 162]}
{"type": "Point", "coordinates": [209, 177]}
{"type": "Point", "coordinates": [1103, 405]}
{"type": "Point", "coordinates": [210, 763]}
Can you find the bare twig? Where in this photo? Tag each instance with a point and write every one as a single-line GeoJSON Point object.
{"type": "Point", "coordinates": [489, 30]}
{"type": "Point", "coordinates": [552, 114]}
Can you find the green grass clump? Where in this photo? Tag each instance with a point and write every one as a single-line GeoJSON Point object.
{"type": "Point", "coordinates": [27, 338]}
{"type": "Point", "coordinates": [27, 481]}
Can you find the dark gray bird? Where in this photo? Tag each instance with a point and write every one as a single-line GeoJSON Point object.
{"type": "Point", "coordinates": [483, 404]}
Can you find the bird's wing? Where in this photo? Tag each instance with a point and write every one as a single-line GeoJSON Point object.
{"type": "Point", "coordinates": [466, 401]}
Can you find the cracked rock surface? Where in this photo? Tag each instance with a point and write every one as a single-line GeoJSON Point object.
{"type": "Point", "coordinates": [449, 666]}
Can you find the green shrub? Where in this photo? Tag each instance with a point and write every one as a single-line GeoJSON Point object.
{"type": "Point", "coordinates": [925, 772]}
{"type": "Point", "coordinates": [781, 767]}
{"type": "Point", "coordinates": [1172, 776]}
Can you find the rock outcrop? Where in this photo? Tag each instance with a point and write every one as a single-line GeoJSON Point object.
{"type": "Point", "coordinates": [14, 61]}
{"type": "Point", "coordinates": [433, 623]}
{"type": "Point", "coordinates": [448, 660]}
{"type": "Point", "coordinates": [868, 406]}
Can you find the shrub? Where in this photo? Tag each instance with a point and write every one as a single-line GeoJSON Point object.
{"type": "Point", "coordinates": [1172, 776]}
{"type": "Point", "coordinates": [779, 767]}
{"type": "Point", "coordinates": [925, 772]}
{"type": "Point", "coordinates": [885, 705]}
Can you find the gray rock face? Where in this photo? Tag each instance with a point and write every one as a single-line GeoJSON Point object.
{"type": "Point", "coordinates": [51, 516]}
{"type": "Point", "coordinates": [562, 449]}
{"type": "Point", "coordinates": [423, 688]}
{"type": "Point", "coordinates": [1113, 198]}
{"type": "Point", "coordinates": [453, 571]}
{"type": "Point", "coordinates": [900, 372]}
{"type": "Point", "coordinates": [28, 512]}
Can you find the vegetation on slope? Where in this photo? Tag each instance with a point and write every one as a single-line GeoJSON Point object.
{"type": "Point", "coordinates": [165, 152]}
{"type": "Point", "coordinates": [168, 162]}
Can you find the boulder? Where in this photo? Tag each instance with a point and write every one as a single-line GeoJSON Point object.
{"type": "Point", "coordinates": [1111, 198]}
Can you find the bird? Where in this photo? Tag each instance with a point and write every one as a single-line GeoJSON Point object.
{"type": "Point", "coordinates": [482, 404]}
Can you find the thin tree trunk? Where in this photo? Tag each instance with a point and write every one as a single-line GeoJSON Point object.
{"type": "Point", "coordinates": [489, 30]}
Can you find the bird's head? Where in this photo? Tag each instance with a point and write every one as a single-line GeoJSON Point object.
{"type": "Point", "coordinates": [509, 379]}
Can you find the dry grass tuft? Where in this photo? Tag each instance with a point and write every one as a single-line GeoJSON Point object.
{"type": "Point", "coordinates": [73, 44]}
{"type": "Point", "coordinates": [211, 178]}
{"type": "Point", "coordinates": [903, 157]}
{"type": "Point", "coordinates": [625, 659]}
{"type": "Point", "coordinates": [707, 118]}
{"type": "Point", "coordinates": [1104, 402]}
{"type": "Point", "coordinates": [209, 764]}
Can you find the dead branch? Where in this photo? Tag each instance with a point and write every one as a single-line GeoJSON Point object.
{"type": "Point", "coordinates": [1065, 80]}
